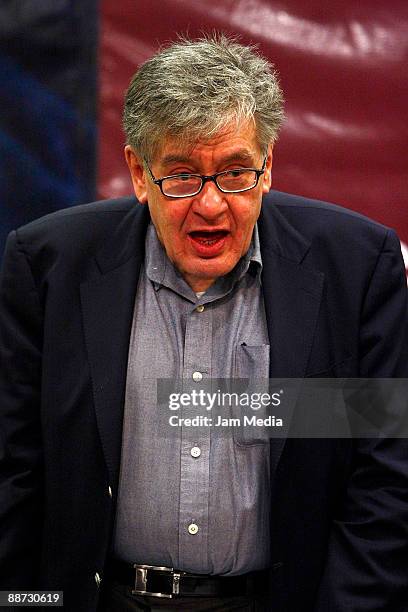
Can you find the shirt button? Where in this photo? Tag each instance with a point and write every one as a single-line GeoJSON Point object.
{"type": "Point", "coordinates": [200, 308]}
{"type": "Point", "coordinates": [98, 579]}
{"type": "Point", "coordinates": [197, 376]}
{"type": "Point", "coordinates": [195, 452]}
{"type": "Point", "coordinates": [193, 529]}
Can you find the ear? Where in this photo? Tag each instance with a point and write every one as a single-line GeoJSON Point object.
{"type": "Point", "coordinates": [267, 175]}
{"type": "Point", "coordinates": [137, 173]}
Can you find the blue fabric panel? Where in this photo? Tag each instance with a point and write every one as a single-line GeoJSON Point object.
{"type": "Point", "coordinates": [47, 108]}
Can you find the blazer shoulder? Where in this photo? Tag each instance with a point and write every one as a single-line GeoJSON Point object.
{"type": "Point", "coordinates": [71, 237]}
{"type": "Point", "coordinates": [82, 226]}
{"type": "Point", "coordinates": [95, 212]}
{"type": "Point", "coordinates": [316, 219]}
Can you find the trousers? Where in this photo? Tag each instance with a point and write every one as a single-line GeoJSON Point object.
{"type": "Point", "coordinates": [116, 597]}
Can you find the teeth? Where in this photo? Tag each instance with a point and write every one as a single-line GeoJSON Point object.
{"type": "Point", "coordinates": [208, 242]}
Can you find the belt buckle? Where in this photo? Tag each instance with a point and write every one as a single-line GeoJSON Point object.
{"type": "Point", "coordinates": [141, 580]}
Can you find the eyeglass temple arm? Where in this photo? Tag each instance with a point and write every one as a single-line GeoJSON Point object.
{"type": "Point", "coordinates": [154, 179]}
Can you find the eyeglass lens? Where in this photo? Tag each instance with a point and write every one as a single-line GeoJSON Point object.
{"type": "Point", "coordinates": [184, 185]}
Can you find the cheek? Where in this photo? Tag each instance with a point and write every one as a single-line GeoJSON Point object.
{"type": "Point", "coordinates": [246, 220]}
{"type": "Point", "coordinates": [169, 227]}
{"type": "Point", "coordinates": [245, 225]}
{"type": "Point", "coordinates": [160, 214]}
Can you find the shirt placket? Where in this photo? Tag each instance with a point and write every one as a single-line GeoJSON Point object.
{"type": "Point", "coordinates": [195, 444]}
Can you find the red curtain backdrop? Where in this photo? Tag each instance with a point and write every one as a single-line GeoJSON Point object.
{"type": "Point", "coordinates": [343, 70]}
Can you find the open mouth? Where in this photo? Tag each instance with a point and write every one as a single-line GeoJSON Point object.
{"type": "Point", "coordinates": [208, 237]}
{"type": "Point", "coordinates": [208, 242]}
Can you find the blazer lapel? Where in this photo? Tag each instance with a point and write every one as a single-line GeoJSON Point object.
{"type": "Point", "coordinates": [107, 307]}
{"type": "Point", "coordinates": [292, 294]}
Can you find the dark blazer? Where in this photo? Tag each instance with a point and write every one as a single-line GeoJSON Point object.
{"type": "Point", "coordinates": [336, 305]}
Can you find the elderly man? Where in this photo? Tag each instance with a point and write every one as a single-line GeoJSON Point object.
{"type": "Point", "coordinates": [206, 275]}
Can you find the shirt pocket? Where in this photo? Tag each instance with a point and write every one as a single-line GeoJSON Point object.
{"type": "Point", "coordinates": [251, 374]}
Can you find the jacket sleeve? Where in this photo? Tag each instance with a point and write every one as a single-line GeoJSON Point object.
{"type": "Point", "coordinates": [367, 559]}
{"type": "Point", "coordinates": [21, 454]}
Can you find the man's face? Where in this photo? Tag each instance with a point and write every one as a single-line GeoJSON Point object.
{"type": "Point", "coordinates": [204, 235]}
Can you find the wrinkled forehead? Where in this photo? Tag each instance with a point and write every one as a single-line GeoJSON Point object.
{"type": "Point", "coordinates": [235, 142]}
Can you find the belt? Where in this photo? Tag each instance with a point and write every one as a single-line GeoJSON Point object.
{"type": "Point", "coordinates": [158, 581]}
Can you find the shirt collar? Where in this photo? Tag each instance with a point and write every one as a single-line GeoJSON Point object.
{"type": "Point", "coordinates": [161, 271]}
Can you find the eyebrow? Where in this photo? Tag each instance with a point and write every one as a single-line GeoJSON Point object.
{"type": "Point", "coordinates": [243, 155]}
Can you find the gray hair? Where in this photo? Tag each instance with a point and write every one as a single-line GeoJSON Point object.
{"type": "Point", "coordinates": [196, 88]}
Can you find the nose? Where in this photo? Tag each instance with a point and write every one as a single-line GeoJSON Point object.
{"type": "Point", "coordinates": [210, 203]}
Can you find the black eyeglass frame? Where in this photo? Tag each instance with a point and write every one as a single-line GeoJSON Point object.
{"type": "Point", "coordinates": [205, 178]}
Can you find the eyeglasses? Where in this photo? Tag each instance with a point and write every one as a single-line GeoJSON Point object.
{"type": "Point", "coordinates": [229, 181]}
